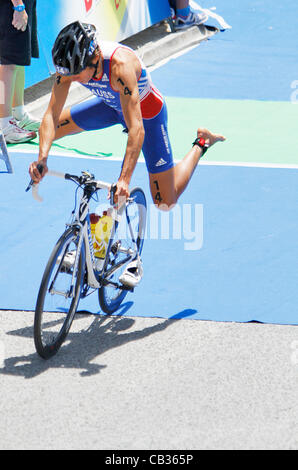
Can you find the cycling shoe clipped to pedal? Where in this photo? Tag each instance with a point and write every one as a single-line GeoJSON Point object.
{"type": "Point", "coordinates": [68, 261]}
{"type": "Point", "coordinates": [133, 273]}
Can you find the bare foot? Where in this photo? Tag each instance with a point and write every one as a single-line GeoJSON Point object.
{"type": "Point", "coordinates": [209, 137]}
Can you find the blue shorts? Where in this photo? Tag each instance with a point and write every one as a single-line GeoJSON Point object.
{"type": "Point", "coordinates": [95, 114]}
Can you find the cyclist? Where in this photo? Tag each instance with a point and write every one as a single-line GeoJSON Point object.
{"type": "Point", "coordinates": [123, 93]}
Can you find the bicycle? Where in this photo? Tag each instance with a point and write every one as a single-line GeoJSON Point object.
{"type": "Point", "coordinates": [65, 282]}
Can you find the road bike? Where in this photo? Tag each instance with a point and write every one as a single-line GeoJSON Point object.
{"type": "Point", "coordinates": [73, 271]}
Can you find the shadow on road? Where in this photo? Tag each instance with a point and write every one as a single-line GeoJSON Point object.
{"type": "Point", "coordinates": [82, 347]}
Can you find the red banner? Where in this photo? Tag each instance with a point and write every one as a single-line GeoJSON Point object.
{"type": "Point", "coordinates": [88, 5]}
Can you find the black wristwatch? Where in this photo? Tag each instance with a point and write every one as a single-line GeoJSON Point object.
{"type": "Point", "coordinates": [200, 142]}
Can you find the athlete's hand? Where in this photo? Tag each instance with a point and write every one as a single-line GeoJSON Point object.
{"type": "Point", "coordinates": [36, 176]}
{"type": "Point", "coordinates": [209, 137]}
{"type": "Point", "coordinates": [122, 193]}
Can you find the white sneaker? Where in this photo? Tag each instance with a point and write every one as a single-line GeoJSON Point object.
{"type": "Point", "coordinates": [13, 134]}
{"type": "Point", "coordinates": [132, 274]}
{"type": "Point", "coordinates": [68, 261]}
{"type": "Point", "coordinates": [193, 19]}
{"type": "Point", "coordinates": [28, 122]}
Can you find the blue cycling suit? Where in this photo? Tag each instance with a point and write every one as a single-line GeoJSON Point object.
{"type": "Point", "coordinates": [104, 110]}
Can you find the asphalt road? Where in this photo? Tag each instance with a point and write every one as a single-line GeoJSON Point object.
{"type": "Point", "coordinates": [141, 383]}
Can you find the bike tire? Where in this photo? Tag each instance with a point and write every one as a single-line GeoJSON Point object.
{"type": "Point", "coordinates": [47, 338]}
{"type": "Point", "coordinates": [107, 303]}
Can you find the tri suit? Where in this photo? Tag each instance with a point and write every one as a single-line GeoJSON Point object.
{"type": "Point", "coordinates": [104, 110]}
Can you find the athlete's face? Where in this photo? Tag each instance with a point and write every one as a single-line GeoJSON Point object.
{"type": "Point", "coordinates": [89, 72]}
{"type": "Point", "coordinates": [85, 76]}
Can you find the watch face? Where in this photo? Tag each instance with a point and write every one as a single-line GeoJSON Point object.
{"type": "Point", "coordinates": [202, 142]}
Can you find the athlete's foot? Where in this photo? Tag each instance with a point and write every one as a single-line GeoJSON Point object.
{"type": "Point", "coordinates": [209, 137]}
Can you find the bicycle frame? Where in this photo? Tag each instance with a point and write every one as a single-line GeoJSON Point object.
{"type": "Point", "coordinates": [73, 271]}
{"type": "Point", "coordinates": [81, 221]}
{"type": "Point", "coordinates": [95, 281]}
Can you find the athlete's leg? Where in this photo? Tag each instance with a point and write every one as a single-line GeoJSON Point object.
{"type": "Point", "coordinates": [167, 182]}
{"type": "Point", "coordinates": [167, 186]}
{"type": "Point", "coordinates": [66, 125]}
{"type": "Point", "coordinates": [162, 187]}
{"type": "Point", "coordinates": [89, 115]}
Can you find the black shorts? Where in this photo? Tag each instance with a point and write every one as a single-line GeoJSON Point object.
{"type": "Point", "coordinates": [17, 47]}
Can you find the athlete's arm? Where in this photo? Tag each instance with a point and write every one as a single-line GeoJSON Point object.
{"type": "Point", "coordinates": [125, 81]}
{"type": "Point", "coordinates": [49, 124]}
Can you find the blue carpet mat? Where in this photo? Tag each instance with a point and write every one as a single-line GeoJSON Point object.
{"type": "Point", "coordinates": [255, 60]}
{"type": "Point", "coordinates": [244, 271]}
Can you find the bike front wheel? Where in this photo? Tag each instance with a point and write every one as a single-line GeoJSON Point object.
{"type": "Point", "coordinates": [127, 238]}
{"type": "Point", "coordinates": [59, 294]}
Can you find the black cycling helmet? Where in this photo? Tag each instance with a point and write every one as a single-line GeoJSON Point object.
{"type": "Point", "coordinates": [73, 48]}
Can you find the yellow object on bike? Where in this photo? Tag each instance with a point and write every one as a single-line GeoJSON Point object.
{"type": "Point", "coordinates": [94, 219]}
{"type": "Point", "coordinates": [103, 230]}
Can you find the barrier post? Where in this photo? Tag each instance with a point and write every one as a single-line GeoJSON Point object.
{"type": "Point", "coordinates": [4, 153]}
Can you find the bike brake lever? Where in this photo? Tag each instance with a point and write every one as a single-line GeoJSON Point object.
{"type": "Point", "coordinates": [40, 168]}
{"type": "Point", "coordinates": [112, 193]}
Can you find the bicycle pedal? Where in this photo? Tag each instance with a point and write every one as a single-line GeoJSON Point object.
{"type": "Point", "coordinates": [65, 270]}
{"type": "Point", "coordinates": [129, 289]}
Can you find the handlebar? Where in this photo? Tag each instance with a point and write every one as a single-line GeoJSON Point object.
{"type": "Point", "coordinates": [84, 179]}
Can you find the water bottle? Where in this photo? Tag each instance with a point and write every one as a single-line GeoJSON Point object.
{"type": "Point", "coordinates": [103, 230]}
{"type": "Point", "coordinates": [94, 219]}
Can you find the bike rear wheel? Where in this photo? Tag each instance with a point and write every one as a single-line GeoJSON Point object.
{"type": "Point", "coordinates": [112, 294]}
{"type": "Point", "coordinates": [59, 294]}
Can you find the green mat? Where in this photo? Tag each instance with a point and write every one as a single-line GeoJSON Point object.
{"type": "Point", "coordinates": [256, 131]}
